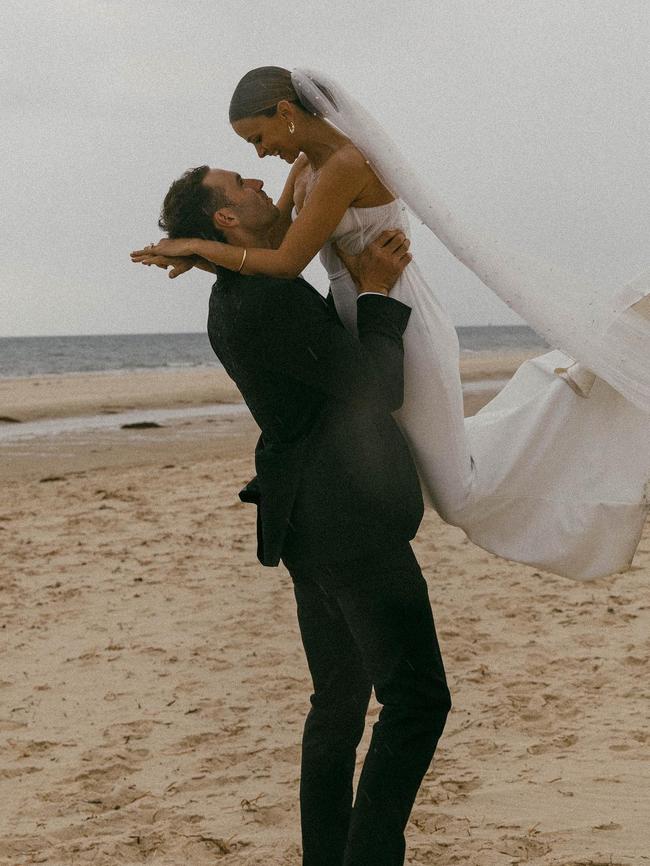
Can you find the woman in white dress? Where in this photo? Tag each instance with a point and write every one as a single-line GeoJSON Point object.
{"type": "Point", "coordinates": [554, 471]}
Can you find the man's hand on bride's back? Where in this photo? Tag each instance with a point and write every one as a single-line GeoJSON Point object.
{"type": "Point", "coordinates": [379, 266]}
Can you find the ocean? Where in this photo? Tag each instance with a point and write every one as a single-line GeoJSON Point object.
{"type": "Point", "coordinates": [37, 356]}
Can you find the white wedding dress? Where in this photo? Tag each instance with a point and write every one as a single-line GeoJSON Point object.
{"type": "Point", "coordinates": [554, 471]}
{"type": "Point", "coordinates": [540, 475]}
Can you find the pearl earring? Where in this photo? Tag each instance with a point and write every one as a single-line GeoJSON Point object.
{"type": "Point", "coordinates": [292, 127]}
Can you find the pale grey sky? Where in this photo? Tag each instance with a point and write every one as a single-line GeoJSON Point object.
{"type": "Point", "coordinates": [529, 115]}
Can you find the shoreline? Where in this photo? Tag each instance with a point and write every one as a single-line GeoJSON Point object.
{"type": "Point", "coordinates": [106, 392]}
{"type": "Point", "coordinates": [60, 426]}
{"type": "Point", "coordinates": [60, 448]}
{"type": "Point", "coordinates": [54, 395]}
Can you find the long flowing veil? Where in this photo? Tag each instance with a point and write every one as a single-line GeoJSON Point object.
{"type": "Point", "coordinates": [607, 330]}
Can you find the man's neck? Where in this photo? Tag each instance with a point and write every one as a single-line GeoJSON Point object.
{"type": "Point", "coordinates": [245, 238]}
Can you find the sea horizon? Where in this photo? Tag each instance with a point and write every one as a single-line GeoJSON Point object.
{"type": "Point", "coordinates": [24, 357]}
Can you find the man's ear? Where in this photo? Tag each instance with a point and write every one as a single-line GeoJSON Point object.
{"type": "Point", "coordinates": [225, 218]}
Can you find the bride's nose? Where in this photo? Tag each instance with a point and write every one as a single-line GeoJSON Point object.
{"type": "Point", "coordinates": [261, 152]}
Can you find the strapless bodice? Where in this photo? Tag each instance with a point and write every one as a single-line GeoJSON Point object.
{"type": "Point", "coordinates": [366, 221]}
{"type": "Point", "coordinates": [359, 227]}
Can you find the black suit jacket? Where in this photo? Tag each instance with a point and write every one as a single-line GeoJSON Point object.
{"type": "Point", "coordinates": [335, 479]}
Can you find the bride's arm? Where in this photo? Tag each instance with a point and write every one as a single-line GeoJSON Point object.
{"type": "Point", "coordinates": [287, 198]}
{"type": "Point", "coordinates": [341, 180]}
{"type": "Point", "coordinates": [286, 202]}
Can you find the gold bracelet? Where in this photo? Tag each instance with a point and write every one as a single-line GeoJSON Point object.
{"type": "Point", "coordinates": [243, 259]}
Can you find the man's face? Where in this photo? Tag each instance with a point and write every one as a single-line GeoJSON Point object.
{"type": "Point", "coordinates": [253, 208]}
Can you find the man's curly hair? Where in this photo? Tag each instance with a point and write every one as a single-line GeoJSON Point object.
{"type": "Point", "coordinates": [189, 205]}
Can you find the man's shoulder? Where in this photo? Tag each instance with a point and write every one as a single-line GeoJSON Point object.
{"type": "Point", "coordinates": [259, 291]}
{"type": "Point", "coordinates": [231, 279]}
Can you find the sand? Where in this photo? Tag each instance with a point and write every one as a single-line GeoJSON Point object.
{"type": "Point", "coordinates": [154, 685]}
{"type": "Point", "coordinates": [31, 398]}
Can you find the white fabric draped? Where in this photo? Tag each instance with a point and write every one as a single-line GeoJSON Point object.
{"type": "Point", "coordinates": [611, 337]}
{"type": "Point", "coordinates": [540, 475]}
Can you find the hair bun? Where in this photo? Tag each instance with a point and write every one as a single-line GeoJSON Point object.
{"type": "Point", "coordinates": [315, 103]}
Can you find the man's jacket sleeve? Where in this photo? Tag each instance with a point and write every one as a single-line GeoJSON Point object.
{"type": "Point", "coordinates": [297, 334]}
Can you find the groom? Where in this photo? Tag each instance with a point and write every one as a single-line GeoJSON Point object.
{"type": "Point", "coordinates": [338, 500]}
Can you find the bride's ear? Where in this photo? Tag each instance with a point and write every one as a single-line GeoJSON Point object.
{"type": "Point", "coordinates": [286, 110]}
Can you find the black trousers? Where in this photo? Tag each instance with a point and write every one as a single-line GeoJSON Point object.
{"type": "Point", "coordinates": [366, 624]}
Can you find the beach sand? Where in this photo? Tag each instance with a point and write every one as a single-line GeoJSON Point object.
{"type": "Point", "coordinates": [154, 685]}
{"type": "Point", "coordinates": [32, 398]}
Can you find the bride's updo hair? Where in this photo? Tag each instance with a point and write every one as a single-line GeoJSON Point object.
{"type": "Point", "coordinates": [259, 92]}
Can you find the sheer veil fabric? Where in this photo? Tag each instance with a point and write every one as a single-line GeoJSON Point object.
{"type": "Point", "coordinates": [605, 329]}
{"type": "Point", "coordinates": [540, 475]}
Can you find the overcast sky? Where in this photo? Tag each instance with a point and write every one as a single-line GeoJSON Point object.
{"type": "Point", "coordinates": [530, 115]}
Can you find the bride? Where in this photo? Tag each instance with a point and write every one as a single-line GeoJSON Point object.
{"type": "Point", "coordinates": [554, 471]}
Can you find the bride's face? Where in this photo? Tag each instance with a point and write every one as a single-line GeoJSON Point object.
{"type": "Point", "coordinates": [269, 136]}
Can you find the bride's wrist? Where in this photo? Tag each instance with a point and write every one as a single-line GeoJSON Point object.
{"type": "Point", "coordinates": [197, 247]}
{"type": "Point", "coordinates": [215, 251]}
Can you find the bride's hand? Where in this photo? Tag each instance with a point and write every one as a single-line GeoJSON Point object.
{"type": "Point", "coordinates": [178, 264]}
{"type": "Point", "coordinates": [169, 247]}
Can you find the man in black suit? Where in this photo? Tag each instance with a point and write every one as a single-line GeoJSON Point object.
{"type": "Point", "coordinates": [338, 501]}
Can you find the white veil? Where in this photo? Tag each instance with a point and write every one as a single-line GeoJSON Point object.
{"type": "Point", "coordinates": [607, 331]}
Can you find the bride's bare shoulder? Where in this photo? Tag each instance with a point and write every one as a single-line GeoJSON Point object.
{"type": "Point", "coordinates": [351, 165]}
{"type": "Point", "coordinates": [350, 157]}
{"type": "Point", "coordinates": [346, 166]}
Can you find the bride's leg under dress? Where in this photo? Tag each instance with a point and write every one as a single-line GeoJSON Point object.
{"type": "Point", "coordinates": [431, 415]}
{"type": "Point", "coordinates": [540, 475]}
